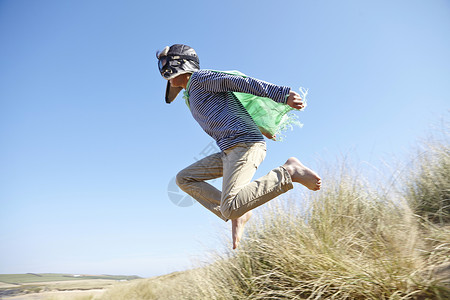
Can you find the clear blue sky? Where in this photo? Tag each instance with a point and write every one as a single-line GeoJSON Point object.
{"type": "Point", "coordinates": [88, 147]}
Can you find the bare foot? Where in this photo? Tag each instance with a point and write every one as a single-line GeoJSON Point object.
{"type": "Point", "coordinates": [237, 227]}
{"type": "Point", "coordinates": [301, 174]}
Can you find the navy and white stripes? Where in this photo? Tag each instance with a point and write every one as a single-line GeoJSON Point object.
{"type": "Point", "coordinates": [220, 113]}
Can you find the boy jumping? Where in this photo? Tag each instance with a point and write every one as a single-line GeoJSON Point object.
{"type": "Point", "coordinates": [214, 106]}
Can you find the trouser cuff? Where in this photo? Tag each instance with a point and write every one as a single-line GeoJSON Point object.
{"type": "Point", "coordinates": [286, 183]}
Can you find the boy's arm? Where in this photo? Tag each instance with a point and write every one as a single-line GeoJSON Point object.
{"type": "Point", "coordinates": [222, 82]}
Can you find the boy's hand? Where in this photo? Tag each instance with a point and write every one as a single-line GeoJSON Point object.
{"type": "Point", "coordinates": [295, 101]}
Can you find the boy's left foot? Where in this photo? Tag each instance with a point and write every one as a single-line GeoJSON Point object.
{"type": "Point", "coordinates": [237, 227]}
{"type": "Point", "coordinates": [303, 175]}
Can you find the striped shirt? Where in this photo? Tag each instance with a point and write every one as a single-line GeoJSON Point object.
{"type": "Point", "coordinates": [220, 113]}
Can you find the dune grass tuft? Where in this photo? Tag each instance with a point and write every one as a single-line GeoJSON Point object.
{"type": "Point", "coordinates": [428, 186]}
{"type": "Point", "coordinates": [349, 241]}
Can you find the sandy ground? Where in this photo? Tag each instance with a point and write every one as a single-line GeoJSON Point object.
{"type": "Point", "coordinates": [61, 289]}
{"type": "Point", "coordinates": [8, 285]}
{"type": "Point", "coordinates": [57, 295]}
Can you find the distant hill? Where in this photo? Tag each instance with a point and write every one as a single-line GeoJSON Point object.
{"type": "Point", "coordinates": [49, 277]}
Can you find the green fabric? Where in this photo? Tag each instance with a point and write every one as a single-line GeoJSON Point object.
{"type": "Point", "coordinates": [186, 94]}
{"type": "Point", "coordinates": [272, 118]}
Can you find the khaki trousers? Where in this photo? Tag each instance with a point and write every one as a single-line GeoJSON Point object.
{"type": "Point", "coordinates": [236, 165]}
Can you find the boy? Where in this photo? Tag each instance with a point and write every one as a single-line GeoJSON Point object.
{"type": "Point", "coordinates": [211, 99]}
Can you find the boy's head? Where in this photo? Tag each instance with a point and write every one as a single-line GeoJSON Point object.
{"type": "Point", "coordinates": [173, 61]}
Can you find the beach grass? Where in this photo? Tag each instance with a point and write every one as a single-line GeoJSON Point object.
{"type": "Point", "coordinates": [355, 239]}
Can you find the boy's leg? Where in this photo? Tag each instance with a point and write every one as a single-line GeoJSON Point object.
{"type": "Point", "coordinates": [239, 194]}
{"type": "Point", "coordinates": [192, 181]}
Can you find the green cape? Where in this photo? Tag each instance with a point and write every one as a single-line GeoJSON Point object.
{"type": "Point", "coordinates": [272, 118]}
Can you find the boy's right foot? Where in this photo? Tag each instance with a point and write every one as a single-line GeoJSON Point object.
{"type": "Point", "coordinates": [237, 227]}
{"type": "Point", "coordinates": [301, 174]}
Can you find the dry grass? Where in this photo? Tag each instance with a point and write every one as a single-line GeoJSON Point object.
{"type": "Point", "coordinates": [349, 241]}
{"type": "Point", "coordinates": [427, 187]}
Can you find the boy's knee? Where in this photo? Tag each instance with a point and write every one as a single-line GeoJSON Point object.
{"type": "Point", "coordinates": [228, 212]}
{"type": "Point", "coordinates": [182, 178]}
